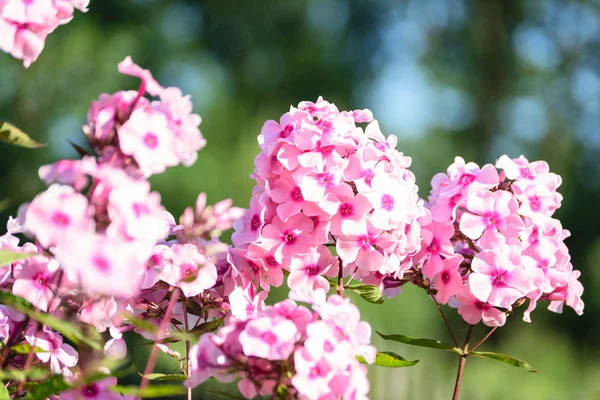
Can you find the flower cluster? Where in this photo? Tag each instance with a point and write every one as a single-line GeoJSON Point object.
{"type": "Point", "coordinates": [324, 181]}
{"type": "Point", "coordinates": [288, 348]}
{"type": "Point", "coordinates": [492, 242]}
{"type": "Point", "coordinates": [106, 253]}
{"type": "Point", "coordinates": [129, 131]}
{"type": "Point", "coordinates": [25, 24]}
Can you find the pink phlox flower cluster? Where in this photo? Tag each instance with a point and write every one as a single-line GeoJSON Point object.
{"type": "Point", "coordinates": [492, 242]}
{"type": "Point", "coordinates": [322, 180]}
{"type": "Point", "coordinates": [25, 24]}
{"type": "Point", "coordinates": [102, 235]}
{"type": "Point", "coordinates": [130, 131]}
{"type": "Point", "coordinates": [312, 354]}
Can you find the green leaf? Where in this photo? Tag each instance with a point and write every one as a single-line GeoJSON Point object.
{"type": "Point", "coordinates": [33, 373]}
{"type": "Point", "coordinates": [164, 377]}
{"type": "Point", "coordinates": [4, 394]}
{"type": "Point", "coordinates": [223, 395]}
{"type": "Point", "coordinates": [25, 348]}
{"type": "Point", "coordinates": [389, 359]}
{"type": "Point", "coordinates": [8, 257]}
{"type": "Point", "coordinates": [174, 336]}
{"type": "Point", "coordinates": [13, 135]}
{"type": "Point", "coordinates": [55, 385]}
{"type": "Point", "coordinates": [370, 293]}
{"type": "Point", "coordinates": [91, 337]}
{"type": "Point", "coordinates": [505, 359]}
{"type": "Point", "coordinates": [150, 392]}
{"type": "Point", "coordinates": [206, 327]}
{"type": "Point", "coordinates": [413, 341]}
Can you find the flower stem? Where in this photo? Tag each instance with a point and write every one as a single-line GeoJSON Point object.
{"type": "Point", "coordinates": [461, 363]}
{"type": "Point", "coordinates": [484, 338]}
{"type": "Point", "coordinates": [445, 321]}
{"type": "Point", "coordinates": [340, 288]}
{"type": "Point", "coordinates": [187, 345]}
{"type": "Point", "coordinates": [161, 331]}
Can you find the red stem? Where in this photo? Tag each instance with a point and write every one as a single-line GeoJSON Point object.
{"type": "Point", "coordinates": [161, 331]}
{"type": "Point", "coordinates": [461, 363]}
{"type": "Point", "coordinates": [187, 346]}
{"type": "Point", "coordinates": [445, 321]}
{"type": "Point", "coordinates": [484, 338]}
{"type": "Point", "coordinates": [340, 288]}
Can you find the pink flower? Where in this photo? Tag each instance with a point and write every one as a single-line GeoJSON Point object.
{"type": "Point", "coordinates": [491, 211]}
{"type": "Point", "coordinates": [448, 281]}
{"type": "Point", "coordinates": [496, 279]}
{"type": "Point", "coordinates": [289, 239]}
{"type": "Point", "coordinates": [65, 172]}
{"type": "Point", "coordinates": [436, 243]}
{"type": "Point", "coordinates": [96, 390]}
{"type": "Point", "coordinates": [137, 214]}
{"type": "Point", "coordinates": [474, 310]}
{"type": "Point", "coordinates": [245, 303]}
{"type": "Point", "coordinates": [34, 281]}
{"type": "Point", "coordinates": [104, 265]}
{"type": "Point", "coordinates": [149, 84]}
{"type": "Point", "coordinates": [206, 360]}
{"type": "Point", "coordinates": [25, 24]}
{"type": "Point", "coordinates": [58, 211]}
{"type": "Point", "coordinates": [146, 137]}
{"type": "Point", "coordinates": [248, 227]}
{"type": "Point", "coordinates": [273, 339]}
{"type": "Point", "coordinates": [105, 113]}
{"type": "Point", "coordinates": [188, 267]}
{"type": "Point", "coordinates": [312, 376]}
{"type": "Point", "coordinates": [391, 199]}
{"type": "Point", "coordinates": [60, 355]}
{"type": "Point", "coordinates": [356, 244]}
{"type": "Point", "coordinates": [309, 270]}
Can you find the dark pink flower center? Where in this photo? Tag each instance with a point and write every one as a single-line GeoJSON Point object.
{"type": "Point", "coordinates": [296, 194]}
{"type": "Point", "coordinates": [268, 338]}
{"type": "Point", "coordinates": [346, 210]}
{"type": "Point", "coordinates": [454, 200]}
{"type": "Point", "coordinates": [466, 179]}
{"type": "Point", "coordinates": [493, 218]}
{"type": "Point", "coordinates": [325, 179]}
{"type": "Point", "coordinates": [40, 280]}
{"type": "Point", "coordinates": [101, 263]}
{"type": "Point", "coordinates": [140, 209]}
{"type": "Point", "coordinates": [312, 269]}
{"type": "Point", "coordinates": [535, 203]}
{"type": "Point", "coordinates": [289, 237]}
{"type": "Point", "coordinates": [367, 175]}
{"type": "Point", "coordinates": [188, 272]}
{"type": "Point", "coordinates": [433, 247]}
{"type": "Point", "coordinates": [525, 173]}
{"type": "Point", "coordinates": [60, 219]}
{"type": "Point", "coordinates": [271, 262]}
{"type": "Point", "coordinates": [365, 240]}
{"type": "Point", "coordinates": [90, 391]}
{"type": "Point", "coordinates": [285, 132]}
{"type": "Point", "coordinates": [480, 305]}
{"type": "Point", "coordinates": [445, 276]}
{"type": "Point", "coordinates": [327, 346]}
{"type": "Point", "coordinates": [387, 202]}
{"type": "Point", "coordinates": [151, 140]}
{"type": "Point", "coordinates": [255, 222]}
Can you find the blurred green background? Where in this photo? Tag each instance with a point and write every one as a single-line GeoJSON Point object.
{"type": "Point", "coordinates": [449, 77]}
